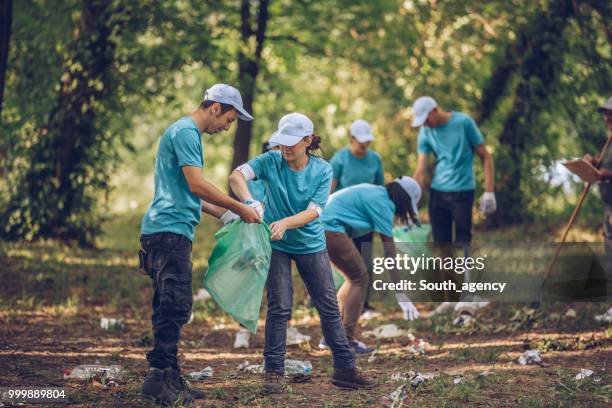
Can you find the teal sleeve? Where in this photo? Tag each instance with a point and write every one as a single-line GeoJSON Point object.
{"type": "Point", "coordinates": [380, 173]}
{"type": "Point", "coordinates": [188, 148]}
{"type": "Point", "coordinates": [322, 192]}
{"type": "Point", "coordinates": [260, 164]}
{"type": "Point", "coordinates": [422, 142]}
{"type": "Point", "coordinates": [473, 133]}
{"type": "Point", "coordinates": [336, 163]}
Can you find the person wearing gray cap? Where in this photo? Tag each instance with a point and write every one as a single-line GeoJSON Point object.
{"type": "Point", "coordinates": [354, 165]}
{"type": "Point", "coordinates": [168, 230]}
{"type": "Point", "coordinates": [605, 177]}
{"type": "Point", "coordinates": [452, 137]}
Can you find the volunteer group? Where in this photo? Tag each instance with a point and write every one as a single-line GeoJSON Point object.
{"type": "Point", "coordinates": [319, 213]}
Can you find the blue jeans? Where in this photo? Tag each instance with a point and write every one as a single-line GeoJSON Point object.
{"type": "Point", "coordinates": [315, 270]}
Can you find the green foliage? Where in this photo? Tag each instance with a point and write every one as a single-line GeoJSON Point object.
{"type": "Point", "coordinates": [79, 121]}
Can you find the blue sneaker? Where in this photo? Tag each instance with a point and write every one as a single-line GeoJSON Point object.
{"type": "Point", "coordinates": [360, 348]}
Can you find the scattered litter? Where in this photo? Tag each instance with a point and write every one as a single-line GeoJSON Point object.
{"type": "Point", "coordinates": [417, 379]}
{"type": "Point", "coordinates": [398, 377]}
{"type": "Point", "coordinates": [108, 374]}
{"type": "Point", "coordinates": [294, 337]}
{"type": "Point", "coordinates": [200, 375]}
{"type": "Point", "coordinates": [291, 367]}
{"type": "Point", "coordinates": [606, 317]}
{"type": "Point", "coordinates": [297, 367]}
{"type": "Point", "coordinates": [584, 373]}
{"type": "Point", "coordinates": [464, 320]}
{"type": "Point", "coordinates": [597, 379]}
{"type": "Point", "coordinates": [419, 348]}
{"type": "Point", "coordinates": [398, 396]}
{"type": "Point", "coordinates": [571, 313]}
{"type": "Point", "coordinates": [554, 316]}
{"type": "Point", "coordinates": [369, 315]}
{"type": "Point", "coordinates": [470, 307]}
{"type": "Point", "coordinates": [458, 380]}
{"type": "Point", "coordinates": [246, 367]}
{"type": "Point", "coordinates": [530, 357]}
{"type": "Point", "coordinates": [108, 323]}
{"type": "Point", "coordinates": [373, 356]}
{"type": "Point", "coordinates": [202, 295]}
{"type": "Point", "coordinates": [190, 319]}
{"type": "Point", "coordinates": [388, 331]}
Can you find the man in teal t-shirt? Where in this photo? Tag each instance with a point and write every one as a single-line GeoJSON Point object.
{"type": "Point", "coordinates": [168, 229]}
{"type": "Point", "coordinates": [452, 137]}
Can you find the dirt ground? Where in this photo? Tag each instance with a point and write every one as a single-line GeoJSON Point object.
{"type": "Point", "coordinates": [36, 347]}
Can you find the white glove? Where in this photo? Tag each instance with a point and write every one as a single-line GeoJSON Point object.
{"type": "Point", "coordinates": [410, 311]}
{"type": "Point", "coordinates": [488, 204]}
{"type": "Point", "coordinates": [228, 217]}
{"type": "Point", "coordinates": [257, 206]}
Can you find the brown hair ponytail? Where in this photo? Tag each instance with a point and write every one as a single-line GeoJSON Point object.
{"type": "Point", "coordinates": [315, 146]}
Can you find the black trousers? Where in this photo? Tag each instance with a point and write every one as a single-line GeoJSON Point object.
{"type": "Point", "coordinates": [445, 211]}
{"type": "Point", "coordinates": [168, 263]}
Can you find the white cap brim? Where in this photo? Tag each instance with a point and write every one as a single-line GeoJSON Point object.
{"type": "Point", "coordinates": [281, 139]}
{"type": "Point", "coordinates": [419, 120]}
{"type": "Point", "coordinates": [243, 114]}
{"type": "Point", "coordinates": [364, 138]}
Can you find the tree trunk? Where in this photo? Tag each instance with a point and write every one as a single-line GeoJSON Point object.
{"type": "Point", "coordinates": [57, 196]}
{"type": "Point", "coordinates": [249, 65]}
{"type": "Point", "coordinates": [6, 17]}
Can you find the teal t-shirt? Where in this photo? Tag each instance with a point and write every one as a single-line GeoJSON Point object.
{"type": "Point", "coordinates": [174, 207]}
{"type": "Point", "coordinates": [453, 145]}
{"type": "Point", "coordinates": [290, 192]}
{"type": "Point", "coordinates": [359, 210]}
{"type": "Point", "coordinates": [257, 189]}
{"type": "Point", "coordinates": [350, 170]}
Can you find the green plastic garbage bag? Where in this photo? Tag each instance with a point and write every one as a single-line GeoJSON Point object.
{"type": "Point", "coordinates": [338, 277]}
{"type": "Point", "coordinates": [238, 269]}
{"type": "Point", "coordinates": [416, 238]}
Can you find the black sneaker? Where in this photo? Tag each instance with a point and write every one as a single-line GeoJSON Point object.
{"type": "Point", "coordinates": [178, 384]}
{"type": "Point", "coordinates": [273, 383]}
{"type": "Point", "coordinates": [352, 379]}
{"type": "Point", "coordinates": [155, 388]}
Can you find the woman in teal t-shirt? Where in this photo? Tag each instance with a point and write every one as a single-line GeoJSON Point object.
{"type": "Point", "coordinates": [298, 185]}
{"type": "Point", "coordinates": [357, 211]}
{"type": "Point", "coordinates": [354, 165]}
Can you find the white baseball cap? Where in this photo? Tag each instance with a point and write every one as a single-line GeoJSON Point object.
{"type": "Point", "coordinates": [421, 108]}
{"type": "Point", "coordinates": [413, 189]}
{"type": "Point", "coordinates": [360, 130]}
{"type": "Point", "coordinates": [292, 128]}
{"type": "Point", "coordinates": [229, 95]}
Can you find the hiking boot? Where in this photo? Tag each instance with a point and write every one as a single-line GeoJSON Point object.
{"type": "Point", "coordinates": [155, 388]}
{"type": "Point", "coordinates": [178, 384]}
{"type": "Point", "coordinates": [351, 378]}
{"type": "Point", "coordinates": [273, 383]}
